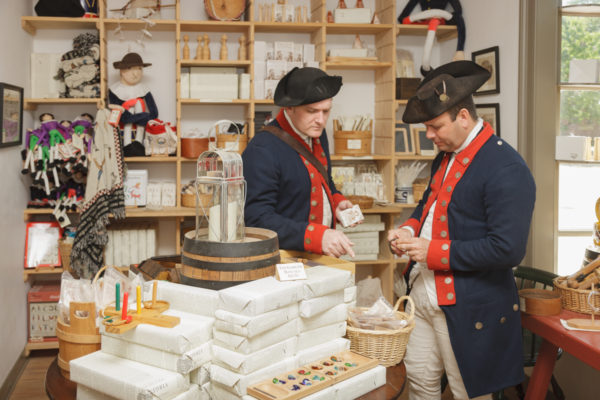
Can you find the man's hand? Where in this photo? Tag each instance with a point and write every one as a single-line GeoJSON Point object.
{"type": "Point", "coordinates": [336, 244]}
{"type": "Point", "coordinates": [396, 236]}
{"type": "Point", "coordinates": [415, 248]}
{"type": "Point", "coordinates": [345, 204]}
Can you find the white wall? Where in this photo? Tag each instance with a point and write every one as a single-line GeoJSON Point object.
{"type": "Point", "coordinates": [15, 47]}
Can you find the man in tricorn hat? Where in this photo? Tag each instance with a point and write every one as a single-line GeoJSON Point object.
{"type": "Point", "coordinates": [463, 239]}
{"type": "Point", "coordinates": [134, 100]}
{"type": "Point", "coordinates": [288, 169]}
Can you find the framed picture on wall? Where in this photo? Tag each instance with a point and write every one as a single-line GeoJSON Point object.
{"type": "Point", "coordinates": [11, 115]}
{"type": "Point", "coordinates": [488, 59]}
{"type": "Point", "coordinates": [423, 146]}
{"type": "Point", "coordinates": [490, 114]}
{"type": "Point", "coordinates": [404, 140]}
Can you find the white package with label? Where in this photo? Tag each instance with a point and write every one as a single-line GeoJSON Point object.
{"type": "Point", "coordinates": [360, 384]}
{"type": "Point", "coordinates": [201, 375]}
{"type": "Point", "coordinates": [245, 345]}
{"type": "Point", "coordinates": [126, 379]}
{"type": "Point", "coordinates": [316, 305]}
{"type": "Point", "coordinates": [238, 383]}
{"type": "Point", "coordinates": [314, 353]}
{"type": "Point", "coordinates": [349, 294]}
{"type": "Point", "coordinates": [322, 280]}
{"type": "Point", "coordinates": [259, 296]}
{"type": "Point", "coordinates": [85, 393]}
{"type": "Point", "coordinates": [244, 325]}
{"type": "Point", "coordinates": [186, 298]}
{"type": "Point", "coordinates": [192, 331]}
{"type": "Point", "coordinates": [338, 313]}
{"type": "Point", "coordinates": [248, 363]}
{"type": "Point", "coordinates": [321, 335]}
{"type": "Point", "coordinates": [218, 391]}
{"type": "Point", "coordinates": [182, 363]}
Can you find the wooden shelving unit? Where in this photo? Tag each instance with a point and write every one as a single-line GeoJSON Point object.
{"type": "Point", "coordinates": [386, 36]}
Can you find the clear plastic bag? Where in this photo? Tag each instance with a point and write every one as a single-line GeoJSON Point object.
{"type": "Point", "coordinates": [380, 316]}
{"type": "Point", "coordinates": [71, 289]}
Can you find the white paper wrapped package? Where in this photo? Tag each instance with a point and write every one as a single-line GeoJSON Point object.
{"type": "Point", "coordinates": [349, 294]}
{"type": "Point", "coordinates": [126, 379]}
{"type": "Point", "coordinates": [192, 331]}
{"type": "Point", "coordinates": [219, 392]}
{"type": "Point", "coordinates": [186, 298]}
{"type": "Point", "coordinates": [322, 280]}
{"type": "Point", "coordinates": [322, 350]}
{"type": "Point", "coordinates": [310, 308]}
{"type": "Point", "coordinates": [338, 313]}
{"type": "Point", "coordinates": [360, 384]}
{"type": "Point", "coordinates": [321, 335]}
{"type": "Point", "coordinates": [238, 383]}
{"type": "Point", "coordinates": [246, 345]}
{"type": "Point", "coordinates": [248, 363]}
{"type": "Point", "coordinates": [201, 375]}
{"type": "Point", "coordinates": [247, 326]}
{"type": "Point", "coordinates": [85, 393]}
{"type": "Point", "coordinates": [182, 363]}
{"type": "Point", "coordinates": [259, 296]}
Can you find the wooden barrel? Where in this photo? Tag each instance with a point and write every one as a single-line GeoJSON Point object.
{"type": "Point", "coordinates": [78, 338]}
{"type": "Point", "coordinates": [218, 265]}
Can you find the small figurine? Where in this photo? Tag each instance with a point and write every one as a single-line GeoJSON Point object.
{"type": "Point", "coordinates": [375, 19]}
{"type": "Point", "coordinates": [330, 17]}
{"type": "Point", "coordinates": [186, 48]}
{"type": "Point", "coordinates": [357, 43]}
{"type": "Point", "coordinates": [359, 4]}
{"type": "Point", "coordinates": [206, 48]}
{"type": "Point", "coordinates": [223, 53]}
{"type": "Point", "coordinates": [242, 48]}
{"type": "Point", "coordinates": [199, 48]}
{"type": "Point", "coordinates": [341, 4]}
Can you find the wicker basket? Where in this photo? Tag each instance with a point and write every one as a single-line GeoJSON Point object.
{"type": "Point", "coordinates": [575, 299]}
{"type": "Point", "coordinates": [65, 254]}
{"type": "Point", "coordinates": [419, 186]}
{"type": "Point", "coordinates": [387, 346]}
{"type": "Point", "coordinates": [364, 202]}
{"type": "Point", "coordinates": [351, 143]}
{"type": "Point", "coordinates": [189, 200]}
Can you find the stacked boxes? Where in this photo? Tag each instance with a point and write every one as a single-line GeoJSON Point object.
{"type": "Point", "coordinates": [365, 237]}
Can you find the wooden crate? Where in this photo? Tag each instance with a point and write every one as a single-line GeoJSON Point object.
{"type": "Point", "coordinates": [311, 260]}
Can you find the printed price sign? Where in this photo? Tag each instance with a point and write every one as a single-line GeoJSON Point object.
{"type": "Point", "coordinates": [290, 272]}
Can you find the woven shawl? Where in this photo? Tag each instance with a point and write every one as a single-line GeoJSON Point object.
{"type": "Point", "coordinates": [103, 196]}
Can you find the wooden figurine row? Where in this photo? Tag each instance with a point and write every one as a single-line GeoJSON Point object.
{"type": "Point", "coordinates": [269, 13]}
{"type": "Point", "coordinates": [203, 48]}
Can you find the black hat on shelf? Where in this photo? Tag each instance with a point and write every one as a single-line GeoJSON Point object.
{"type": "Point", "coordinates": [443, 88]}
{"type": "Point", "coordinates": [130, 60]}
{"type": "Point", "coordinates": [306, 86]}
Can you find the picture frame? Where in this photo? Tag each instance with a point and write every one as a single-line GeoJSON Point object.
{"type": "Point", "coordinates": [488, 59]}
{"type": "Point", "coordinates": [404, 143]}
{"type": "Point", "coordinates": [11, 115]}
{"type": "Point", "coordinates": [41, 245]}
{"type": "Point", "coordinates": [423, 146]}
{"type": "Point", "coordinates": [490, 113]}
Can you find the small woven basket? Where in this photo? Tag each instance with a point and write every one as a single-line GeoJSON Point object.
{"type": "Point", "coordinates": [387, 346]}
{"type": "Point", "coordinates": [364, 202]}
{"type": "Point", "coordinates": [419, 186]}
{"type": "Point", "coordinates": [189, 200]}
{"type": "Point", "coordinates": [65, 254]}
{"type": "Point", "coordinates": [575, 299]}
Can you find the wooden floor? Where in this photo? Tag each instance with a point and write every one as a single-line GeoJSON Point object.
{"type": "Point", "coordinates": [30, 385]}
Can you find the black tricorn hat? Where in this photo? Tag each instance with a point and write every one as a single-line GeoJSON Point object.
{"type": "Point", "coordinates": [442, 88]}
{"type": "Point", "coordinates": [130, 60]}
{"type": "Point", "coordinates": [306, 86]}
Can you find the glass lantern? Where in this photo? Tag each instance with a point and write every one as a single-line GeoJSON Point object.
{"type": "Point", "coordinates": [220, 196]}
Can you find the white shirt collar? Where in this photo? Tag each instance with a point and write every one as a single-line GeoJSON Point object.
{"type": "Point", "coordinates": [304, 137]}
{"type": "Point", "coordinates": [471, 136]}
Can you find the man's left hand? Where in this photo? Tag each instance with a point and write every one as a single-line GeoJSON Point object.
{"type": "Point", "coordinates": [415, 248]}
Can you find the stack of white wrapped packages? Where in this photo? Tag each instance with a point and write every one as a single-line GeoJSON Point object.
{"type": "Point", "coordinates": [365, 237]}
{"type": "Point", "coordinates": [151, 362]}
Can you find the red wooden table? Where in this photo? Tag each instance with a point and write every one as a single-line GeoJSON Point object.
{"type": "Point", "coordinates": [583, 345]}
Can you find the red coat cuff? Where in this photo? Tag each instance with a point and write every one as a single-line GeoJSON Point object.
{"type": "Point", "coordinates": [337, 199]}
{"type": "Point", "coordinates": [313, 238]}
{"type": "Point", "coordinates": [413, 223]}
{"type": "Point", "coordinates": [438, 255]}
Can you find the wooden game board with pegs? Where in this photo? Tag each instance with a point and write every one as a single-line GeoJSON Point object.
{"type": "Point", "coordinates": [151, 316]}
{"type": "Point", "coordinates": [312, 377]}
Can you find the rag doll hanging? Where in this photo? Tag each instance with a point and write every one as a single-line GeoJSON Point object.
{"type": "Point", "coordinates": [132, 104]}
{"type": "Point", "coordinates": [434, 14]}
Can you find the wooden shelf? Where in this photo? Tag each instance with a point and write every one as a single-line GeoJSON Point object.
{"type": "Point", "coordinates": [358, 65]}
{"type": "Point", "coordinates": [151, 159]}
{"type": "Point", "coordinates": [162, 25]}
{"type": "Point", "coordinates": [340, 157]}
{"type": "Point", "coordinates": [32, 24]}
{"type": "Point", "coordinates": [214, 26]}
{"type": "Point", "coordinates": [47, 345]}
{"type": "Point", "coordinates": [41, 271]}
{"type": "Point", "coordinates": [353, 29]}
{"type": "Point", "coordinates": [443, 33]}
{"type": "Point", "coordinates": [235, 102]}
{"type": "Point", "coordinates": [215, 63]}
{"type": "Point", "coordinates": [32, 104]}
{"type": "Point", "coordinates": [265, 102]}
{"type": "Point", "coordinates": [291, 27]}
{"type": "Point", "coordinates": [372, 262]}
{"type": "Point", "coordinates": [411, 157]}
{"type": "Point", "coordinates": [402, 102]}
{"type": "Point", "coordinates": [579, 86]}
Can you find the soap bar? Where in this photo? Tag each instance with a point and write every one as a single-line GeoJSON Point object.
{"type": "Point", "coordinates": [246, 345]}
{"type": "Point", "coordinates": [351, 216]}
{"type": "Point", "coordinates": [248, 363]}
{"type": "Point", "coordinates": [259, 296]}
{"type": "Point", "coordinates": [250, 326]}
{"type": "Point", "coordinates": [322, 280]}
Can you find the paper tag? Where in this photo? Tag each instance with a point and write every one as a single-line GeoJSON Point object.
{"type": "Point", "coordinates": [290, 272]}
{"type": "Point", "coordinates": [353, 144]}
{"type": "Point", "coordinates": [115, 117]}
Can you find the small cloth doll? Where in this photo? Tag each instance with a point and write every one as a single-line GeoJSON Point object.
{"type": "Point", "coordinates": [135, 102]}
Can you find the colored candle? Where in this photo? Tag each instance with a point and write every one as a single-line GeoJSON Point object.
{"type": "Point", "coordinates": [138, 298]}
{"type": "Point", "coordinates": [118, 297]}
{"type": "Point", "coordinates": [124, 311]}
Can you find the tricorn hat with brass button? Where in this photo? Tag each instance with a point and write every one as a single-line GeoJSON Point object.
{"type": "Point", "coordinates": [306, 86]}
{"type": "Point", "coordinates": [442, 88]}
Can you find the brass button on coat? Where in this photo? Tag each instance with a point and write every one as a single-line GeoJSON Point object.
{"type": "Point", "coordinates": [322, 154]}
{"type": "Point", "coordinates": [312, 217]}
{"type": "Point", "coordinates": [502, 320]}
{"type": "Point", "coordinates": [305, 162]}
{"type": "Point", "coordinates": [444, 260]}
{"type": "Point", "coordinates": [445, 246]}
{"type": "Point", "coordinates": [447, 280]}
{"type": "Point", "coordinates": [307, 240]}
{"type": "Point", "coordinates": [478, 325]}
{"type": "Point", "coordinates": [449, 189]}
{"type": "Point", "coordinates": [443, 218]}
{"type": "Point", "coordinates": [444, 202]}
{"type": "Point", "coordinates": [313, 203]}
{"type": "Point", "coordinates": [515, 307]}
{"type": "Point", "coordinates": [457, 175]}
{"type": "Point", "coordinates": [443, 234]}
{"type": "Point", "coordinates": [311, 228]}
{"type": "Point", "coordinates": [466, 160]}
{"type": "Point", "coordinates": [312, 175]}
{"type": "Point", "coordinates": [313, 189]}
{"type": "Point", "coordinates": [450, 296]}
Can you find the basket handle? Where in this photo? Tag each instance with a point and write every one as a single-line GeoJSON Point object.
{"type": "Point", "coordinates": [412, 305]}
